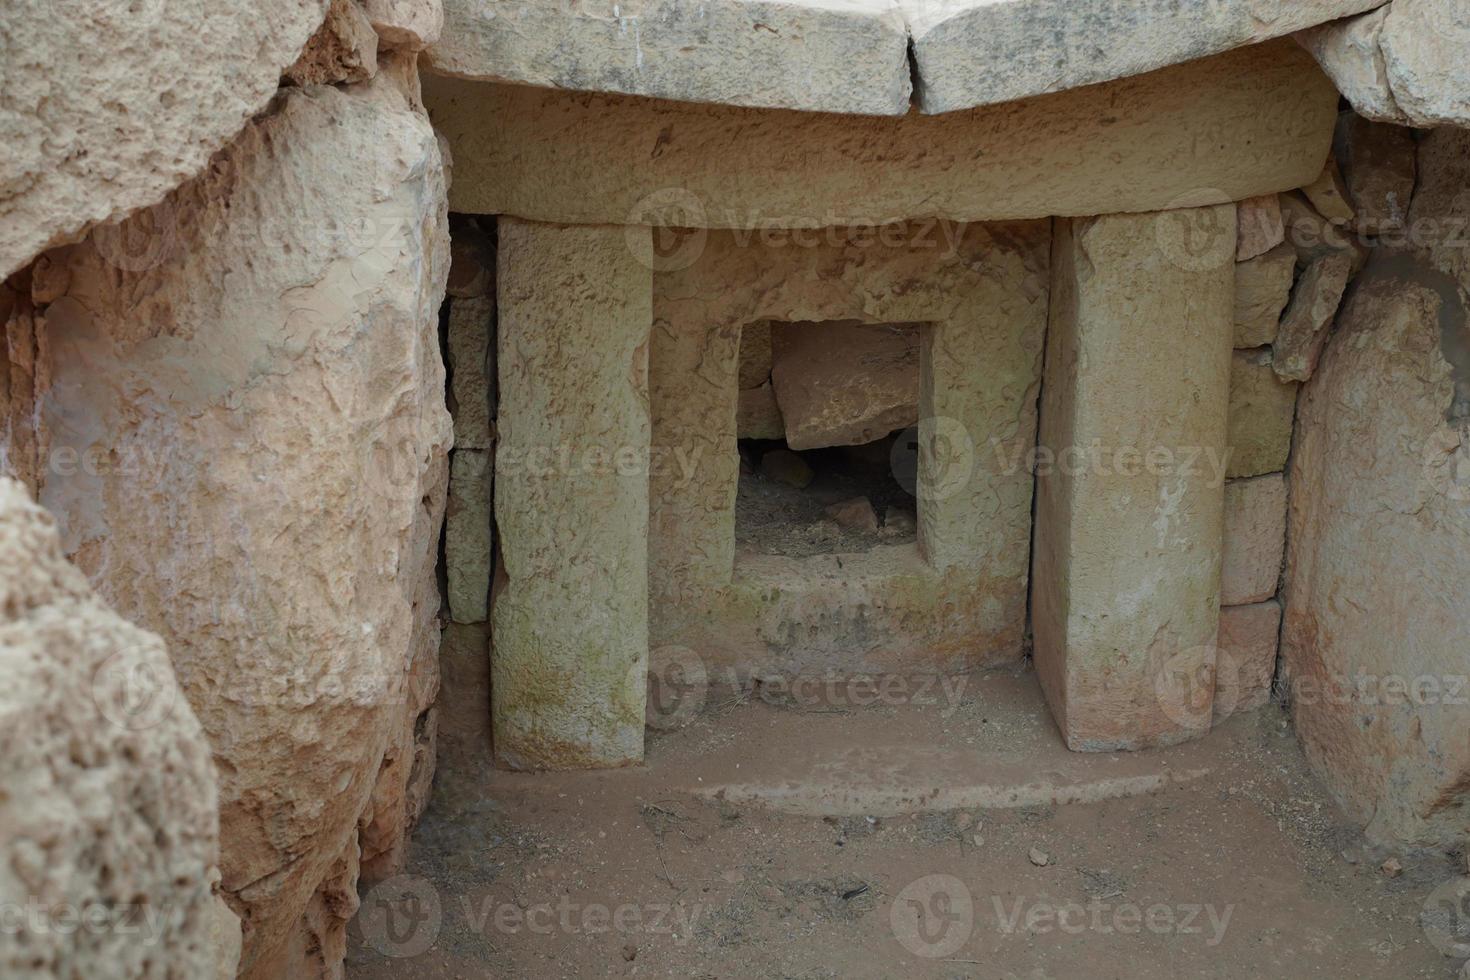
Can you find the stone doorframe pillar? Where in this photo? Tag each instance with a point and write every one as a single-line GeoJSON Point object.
{"type": "Point", "coordinates": [1130, 489]}
{"type": "Point", "coordinates": [570, 609]}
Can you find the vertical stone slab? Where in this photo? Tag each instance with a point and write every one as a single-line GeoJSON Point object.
{"type": "Point", "coordinates": [467, 536]}
{"type": "Point", "coordinates": [570, 614]}
{"type": "Point", "coordinates": [1126, 594]}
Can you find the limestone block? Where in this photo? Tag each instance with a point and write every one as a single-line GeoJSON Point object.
{"type": "Point", "coordinates": [267, 442]}
{"type": "Point", "coordinates": [979, 52]}
{"type": "Point", "coordinates": [1377, 616]}
{"type": "Point", "coordinates": [1246, 123]}
{"type": "Point", "coordinates": [471, 371]}
{"type": "Point", "coordinates": [1308, 319]}
{"type": "Point", "coordinates": [1255, 538]}
{"type": "Point", "coordinates": [1125, 606]}
{"type": "Point", "coordinates": [1378, 165]}
{"type": "Point", "coordinates": [758, 416]}
{"type": "Point", "coordinates": [570, 613]}
{"type": "Point", "coordinates": [1424, 44]}
{"type": "Point", "coordinates": [1262, 406]}
{"type": "Point", "coordinates": [467, 542]}
{"type": "Point", "coordinates": [1349, 52]}
{"type": "Point", "coordinates": [755, 354]}
{"type": "Point", "coordinates": [1329, 195]}
{"type": "Point", "coordinates": [343, 50]}
{"type": "Point", "coordinates": [110, 803]}
{"type": "Point", "coordinates": [1245, 667]}
{"type": "Point", "coordinates": [409, 24]}
{"type": "Point", "coordinates": [845, 383]}
{"type": "Point", "coordinates": [464, 699]}
{"type": "Point", "coordinates": [1258, 226]}
{"type": "Point", "coordinates": [108, 107]}
{"type": "Point", "coordinates": [1262, 289]}
{"type": "Point", "coordinates": [847, 57]}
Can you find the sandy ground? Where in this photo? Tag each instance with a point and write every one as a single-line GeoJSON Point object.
{"type": "Point", "coordinates": [1250, 871]}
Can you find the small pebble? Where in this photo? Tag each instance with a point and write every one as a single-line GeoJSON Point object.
{"type": "Point", "coordinates": [1393, 867]}
{"type": "Point", "coordinates": [1039, 857]}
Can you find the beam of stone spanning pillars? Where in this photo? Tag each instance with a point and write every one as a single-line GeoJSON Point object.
{"type": "Point", "coordinates": [1130, 475]}
{"type": "Point", "coordinates": [570, 611]}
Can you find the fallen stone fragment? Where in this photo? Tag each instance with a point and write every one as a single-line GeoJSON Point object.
{"type": "Point", "coordinates": [1329, 196]}
{"type": "Point", "coordinates": [1262, 290]}
{"type": "Point", "coordinates": [844, 383]}
{"type": "Point", "coordinates": [856, 513]}
{"type": "Point", "coordinates": [1258, 226]}
{"type": "Point", "coordinates": [1392, 868]}
{"type": "Point", "coordinates": [785, 466]}
{"type": "Point", "coordinates": [1038, 857]}
{"type": "Point", "coordinates": [1305, 325]}
{"type": "Point", "coordinates": [1313, 236]}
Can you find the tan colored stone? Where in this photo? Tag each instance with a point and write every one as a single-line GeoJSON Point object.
{"type": "Point", "coordinates": [979, 52]}
{"type": "Point", "coordinates": [1255, 538]}
{"type": "Point", "coordinates": [570, 611]}
{"type": "Point", "coordinates": [855, 513]}
{"type": "Point", "coordinates": [1127, 557]}
{"type": "Point", "coordinates": [464, 698]}
{"type": "Point", "coordinates": [1258, 226]}
{"type": "Point", "coordinates": [758, 416]}
{"type": "Point", "coordinates": [1313, 236]}
{"type": "Point", "coordinates": [107, 109]}
{"type": "Point", "coordinates": [1308, 319]}
{"type": "Point", "coordinates": [954, 600]}
{"type": "Point", "coordinates": [467, 541]}
{"type": "Point", "coordinates": [110, 804]}
{"type": "Point", "coordinates": [1139, 144]}
{"type": "Point", "coordinates": [845, 383]}
{"type": "Point", "coordinates": [471, 371]}
{"type": "Point", "coordinates": [1329, 195]}
{"type": "Point", "coordinates": [409, 24]}
{"type": "Point", "coordinates": [1378, 164]}
{"type": "Point", "coordinates": [755, 354]}
{"type": "Point", "coordinates": [268, 440]}
{"type": "Point", "coordinates": [1349, 53]}
{"type": "Point", "coordinates": [1262, 407]}
{"type": "Point", "coordinates": [840, 57]}
{"type": "Point", "coordinates": [1262, 290]}
{"type": "Point", "coordinates": [1377, 618]}
{"type": "Point", "coordinates": [1424, 44]}
{"type": "Point", "coordinates": [472, 263]}
{"type": "Point", "coordinates": [1245, 663]}
{"type": "Point", "coordinates": [343, 50]}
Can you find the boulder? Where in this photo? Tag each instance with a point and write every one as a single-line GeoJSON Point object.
{"type": "Point", "coordinates": [1262, 406]}
{"type": "Point", "coordinates": [262, 441]}
{"type": "Point", "coordinates": [1308, 319]}
{"type": "Point", "coordinates": [1255, 538]}
{"type": "Point", "coordinates": [109, 813]}
{"type": "Point", "coordinates": [137, 98]}
{"type": "Point", "coordinates": [1262, 290]}
{"type": "Point", "coordinates": [344, 50]}
{"type": "Point", "coordinates": [843, 383]}
{"type": "Point", "coordinates": [856, 513]}
{"type": "Point", "coordinates": [1378, 165]}
{"type": "Point", "coordinates": [409, 24]}
{"type": "Point", "coordinates": [1348, 51]}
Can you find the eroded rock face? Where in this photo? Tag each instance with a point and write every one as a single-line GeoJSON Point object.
{"type": "Point", "coordinates": [109, 804]}
{"type": "Point", "coordinates": [1377, 617]}
{"type": "Point", "coordinates": [109, 106]}
{"type": "Point", "coordinates": [845, 384]}
{"type": "Point", "coordinates": [256, 401]}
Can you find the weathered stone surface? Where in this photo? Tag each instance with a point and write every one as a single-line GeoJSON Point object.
{"type": "Point", "coordinates": [1349, 53]}
{"type": "Point", "coordinates": [1313, 236]}
{"type": "Point", "coordinates": [1308, 319]}
{"type": "Point", "coordinates": [758, 416]}
{"type": "Point", "coordinates": [841, 57]}
{"type": "Point", "coordinates": [107, 107]}
{"type": "Point", "coordinates": [409, 24]}
{"type": "Point", "coordinates": [110, 804]}
{"type": "Point", "coordinates": [262, 441]}
{"type": "Point", "coordinates": [471, 371]}
{"type": "Point", "coordinates": [1138, 144]}
{"type": "Point", "coordinates": [464, 697]}
{"type": "Point", "coordinates": [1377, 618]}
{"type": "Point", "coordinates": [1262, 407]}
{"type": "Point", "coordinates": [467, 543]}
{"type": "Point", "coordinates": [1127, 558]}
{"type": "Point", "coordinates": [570, 612]}
{"type": "Point", "coordinates": [979, 52]}
{"type": "Point", "coordinates": [955, 600]}
{"type": "Point", "coordinates": [1258, 226]}
{"type": "Point", "coordinates": [1328, 195]}
{"type": "Point", "coordinates": [1378, 165]}
{"type": "Point", "coordinates": [1262, 290]}
{"type": "Point", "coordinates": [343, 50]}
{"type": "Point", "coordinates": [1245, 664]}
{"type": "Point", "coordinates": [845, 383]}
{"type": "Point", "coordinates": [1255, 538]}
{"type": "Point", "coordinates": [755, 354]}
{"type": "Point", "coordinates": [472, 258]}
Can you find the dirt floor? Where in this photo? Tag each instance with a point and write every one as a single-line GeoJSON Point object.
{"type": "Point", "coordinates": [1246, 870]}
